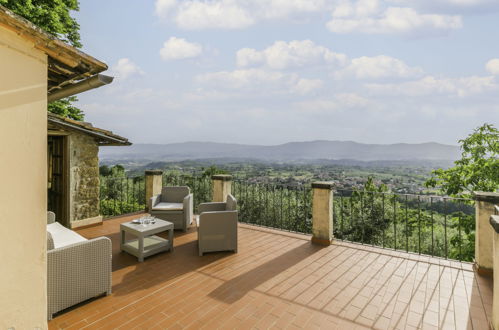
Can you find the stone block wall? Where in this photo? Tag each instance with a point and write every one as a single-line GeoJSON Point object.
{"type": "Point", "coordinates": [84, 179]}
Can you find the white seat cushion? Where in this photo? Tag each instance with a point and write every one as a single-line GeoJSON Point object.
{"type": "Point", "coordinates": [164, 206]}
{"type": "Point", "coordinates": [63, 236]}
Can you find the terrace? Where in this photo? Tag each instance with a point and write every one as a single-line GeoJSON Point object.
{"type": "Point", "coordinates": [279, 279]}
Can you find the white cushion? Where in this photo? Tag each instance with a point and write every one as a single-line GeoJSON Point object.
{"type": "Point", "coordinates": [164, 206]}
{"type": "Point", "coordinates": [63, 236]}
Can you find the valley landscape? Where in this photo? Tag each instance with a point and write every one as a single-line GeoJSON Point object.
{"type": "Point", "coordinates": [403, 168]}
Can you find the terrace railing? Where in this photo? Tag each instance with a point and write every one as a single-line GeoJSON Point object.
{"type": "Point", "coordinates": [431, 225]}
{"type": "Point", "coordinates": [121, 195]}
{"type": "Point", "coordinates": [276, 206]}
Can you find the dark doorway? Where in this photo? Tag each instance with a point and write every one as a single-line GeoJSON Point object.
{"type": "Point", "coordinates": [57, 178]}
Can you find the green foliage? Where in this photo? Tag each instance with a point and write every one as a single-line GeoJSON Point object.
{"type": "Point", "coordinates": [63, 107]}
{"type": "Point", "coordinates": [212, 170]}
{"type": "Point", "coordinates": [366, 206]}
{"type": "Point", "coordinates": [478, 168]}
{"type": "Point", "coordinates": [414, 223]}
{"type": "Point", "coordinates": [112, 207]}
{"type": "Point", "coordinates": [463, 236]}
{"type": "Point", "coordinates": [275, 206]}
{"type": "Point", "coordinates": [53, 16]}
{"type": "Point", "coordinates": [104, 170]}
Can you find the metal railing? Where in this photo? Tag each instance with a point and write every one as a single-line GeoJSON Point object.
{"type": "Point", "coordinates": [431, 225]}
{"type": "Point", "coordinates": [276, 206]}
{"type": "Point", "coordinates": [121, 195]}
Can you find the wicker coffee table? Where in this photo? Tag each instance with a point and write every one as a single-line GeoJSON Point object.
{"type": "Point", "coordinates": [146, 244]}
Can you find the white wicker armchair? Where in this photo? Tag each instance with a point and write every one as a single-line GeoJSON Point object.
{"type": "Point", "coordinates": [174, 204]}
{"type": "Point", "coordinates": [76, 271]}
{"type": "Point", "coordinates": [217, 226]}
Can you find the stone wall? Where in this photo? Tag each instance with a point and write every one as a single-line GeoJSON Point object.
{"type": "Point", "coordinates": [84, 180]}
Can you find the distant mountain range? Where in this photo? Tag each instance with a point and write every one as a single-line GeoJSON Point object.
{"type": "Point", "coordinates": [293, 151]}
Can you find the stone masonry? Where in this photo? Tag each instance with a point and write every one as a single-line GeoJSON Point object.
{"type": "Point", "coordinates": [84, 178]}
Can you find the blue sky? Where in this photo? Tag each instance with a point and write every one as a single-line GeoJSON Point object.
{"type": "Point", "coordinates": [275, 71]}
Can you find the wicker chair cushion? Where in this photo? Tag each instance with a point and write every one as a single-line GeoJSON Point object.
{"type": "Point", "coordinates": [163, 206]}
{"type": "Point", "coordinates": [63, 236]}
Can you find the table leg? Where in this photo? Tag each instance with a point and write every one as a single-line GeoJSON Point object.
{"type": "Point", "coordinates": [141, 248]}
{"type": "Point", "coordinates": [122, 240]}
{"type": "Point", "coordinates": [170, 239]}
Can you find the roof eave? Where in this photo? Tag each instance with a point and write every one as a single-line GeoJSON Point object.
{"type": "Point", "coordinates": [103, 137]}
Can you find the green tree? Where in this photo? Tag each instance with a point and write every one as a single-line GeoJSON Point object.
{"type": "Point", "coordinates": [65, 108]}
{"type": "Point", "coordinates": [104, 170]}
{"type": "Point", "coordinates": [478, 168]}
{"type": "Point", "coordinates": [54, 17]}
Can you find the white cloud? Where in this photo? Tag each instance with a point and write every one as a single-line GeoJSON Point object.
{"type": "Point", "coordinates": [449, 5]}
{"type": "Point", "coordinates": [337, 103]}
{"type": "Point", "coordinates": [430, 85]}
{"type": "Point", "coordinates": [261, 80]}
{"type": "Point", "coordinates": [282, 9]}
{"type": "Point", "coordinates": [178, 48]}
{"type": "Point", "coordinates": [225, 14]}
{"type": "Point", "coordinates": [368, 16]}
{"type": "Point", "coordinates": [364, 16]}
{"type": "Point", "coordinates": [164, 7]}
{"type": "Point", "coordinates": [125, 68]}
{"type": "Point", "coordinates": [233, 14]}
{"type": "Point", "coordinates": [305, 86]}
{"type": "Point", "coordinates": [378, 67]}
{"type": "Point", "coordinates": [284, 55]}
{"type": "Point", "coordinates": [492, 66]}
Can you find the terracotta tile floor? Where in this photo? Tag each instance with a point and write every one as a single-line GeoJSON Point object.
{"type": "Point", "coordinates": [280, 280]}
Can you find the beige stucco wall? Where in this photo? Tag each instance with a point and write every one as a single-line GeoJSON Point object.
{"type": "Point", "coordinates": [83, 180]}
{"type": "Point", "coordinates": [23, 183]}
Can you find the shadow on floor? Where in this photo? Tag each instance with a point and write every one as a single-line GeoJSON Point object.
{"type": "Point", "coordinates": [236, 288]}
{"type": "Point", "coordinates": [130, 275]}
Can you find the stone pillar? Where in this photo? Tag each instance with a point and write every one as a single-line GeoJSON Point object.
{"type": "Point", "coordinates": [154, 183]}
{"type": "Point", "coordinates": [484, 208]}
{"type": "Point", "coordinates": [322, 213]}
{"type": "Point", "coordinates": [494, 221]}
{"type": "Point", "coordinates": [221, 187]}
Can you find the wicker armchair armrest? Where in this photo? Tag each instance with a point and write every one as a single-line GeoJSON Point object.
{"type": "Point", "coordinates": [188, 208]}
{"type": "Point", "coordinates": [153, 201]}
{"type": "Point", "coordinates": [50, 217]}
{"type": "Point", "coordinates": [78, 272]}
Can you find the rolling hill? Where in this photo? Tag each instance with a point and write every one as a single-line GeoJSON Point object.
{"type": "Point", "coordinates": [293, 151]}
